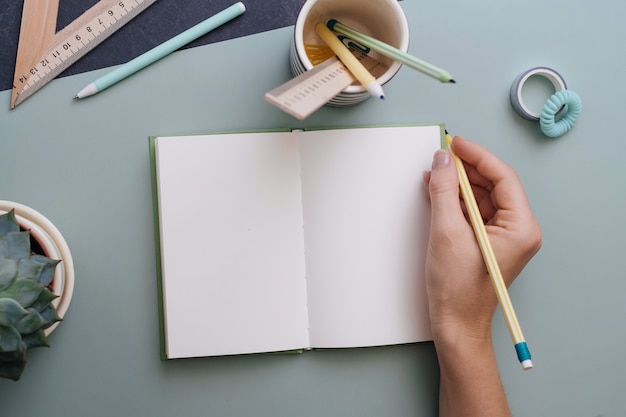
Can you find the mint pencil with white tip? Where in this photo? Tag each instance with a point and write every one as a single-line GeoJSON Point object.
{"type": "Point", "coordinates": [162, 50]}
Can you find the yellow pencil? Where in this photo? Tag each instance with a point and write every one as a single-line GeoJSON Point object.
{"type": "Point", "coordinates": [523, 354]}
{"type": "Point", "coordinates": [350, 61]}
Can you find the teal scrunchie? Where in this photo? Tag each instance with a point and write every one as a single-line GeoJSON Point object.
{"type": "Point", "coordinates": [574, 106]}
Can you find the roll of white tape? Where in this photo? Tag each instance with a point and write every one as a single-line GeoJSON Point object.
{"type": "Point", "coordinates": [516, 90]}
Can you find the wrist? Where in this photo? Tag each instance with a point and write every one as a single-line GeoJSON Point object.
{"type": "Point", "coordinates": [470, 383]}
{"type": "Point", "coordinates": [446, 333]}
{"type": "Point", "coordinates": [463, 349]}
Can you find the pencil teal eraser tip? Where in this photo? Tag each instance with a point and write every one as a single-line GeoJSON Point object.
{"type": "Point", "coordinates": [523, 354]}
{"type": "Point", "coordinates": [331, 24]}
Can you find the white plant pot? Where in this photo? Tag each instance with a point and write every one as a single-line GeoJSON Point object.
{"type": "Point", "coordinates": [54, 246]}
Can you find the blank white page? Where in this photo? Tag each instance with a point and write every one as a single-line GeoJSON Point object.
{"type": "Point", "coordinates": [231, 244]}
{"type": "Point", "coordinates": [366, 222]}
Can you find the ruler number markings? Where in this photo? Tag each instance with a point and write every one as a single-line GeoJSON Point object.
{"type": "Point", "coordinates": [302, 91]}
{"type": "Point", "coordinates": [84, 35]}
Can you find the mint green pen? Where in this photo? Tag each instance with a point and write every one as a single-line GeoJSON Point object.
{"type": "Point", "coordinates": [162, 50]}
{"type": "Point", "coordinates": [391, 52]}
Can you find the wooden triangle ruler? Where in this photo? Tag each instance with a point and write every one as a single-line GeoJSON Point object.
{"type": "Point", "coordinates": [43, 54]}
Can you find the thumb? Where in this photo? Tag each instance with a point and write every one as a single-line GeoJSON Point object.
{"type": "Point", "coordinates": [443, 186]}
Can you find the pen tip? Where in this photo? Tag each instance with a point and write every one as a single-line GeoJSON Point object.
{"type": "Point", "coordinates": [452, 81]}
{"type": "Point", "coordinates": [75, 98]}
{"type": "Point", "coordinates": [376, 90]}
{"type": "Point", "coordinates": [446, 130]}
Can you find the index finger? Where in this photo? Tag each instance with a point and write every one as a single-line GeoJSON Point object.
{"type": "Point", "coordinates": [488, 171]}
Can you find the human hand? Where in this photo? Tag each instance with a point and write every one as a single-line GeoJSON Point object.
{"type": "Point", "coordinates": [461, 296]}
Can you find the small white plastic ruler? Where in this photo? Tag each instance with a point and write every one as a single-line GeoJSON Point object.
{"type": "Point", "coordinates": [309, 91]}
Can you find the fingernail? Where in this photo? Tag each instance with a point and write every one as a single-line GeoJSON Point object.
{"type": "Point", "coordinates": [441, 159]}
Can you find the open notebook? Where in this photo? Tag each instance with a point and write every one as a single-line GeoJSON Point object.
{"type": "Point", "coordinates": [277, 241]}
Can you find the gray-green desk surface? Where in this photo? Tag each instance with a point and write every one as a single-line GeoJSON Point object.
{"type": "Point", "coordinates": [85, 166]}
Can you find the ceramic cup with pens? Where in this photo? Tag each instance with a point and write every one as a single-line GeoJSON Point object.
{"type": "Point", "coordinates": [382, 19]}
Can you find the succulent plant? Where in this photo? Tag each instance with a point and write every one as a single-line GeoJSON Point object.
{"type": "Point", "coordinates": [26, 308]}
